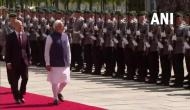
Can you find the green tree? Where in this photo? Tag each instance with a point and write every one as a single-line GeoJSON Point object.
{"type": "Point", "coordinates": [65, 3]}
{"type": "Point", "coordinates": [136, 5]}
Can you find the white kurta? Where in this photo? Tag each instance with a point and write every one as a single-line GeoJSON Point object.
{"type": "Point", "coordinates": [57, 74]}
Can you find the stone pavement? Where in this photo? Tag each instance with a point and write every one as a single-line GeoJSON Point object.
{"type": "Point", "coordinates": [112, 94]}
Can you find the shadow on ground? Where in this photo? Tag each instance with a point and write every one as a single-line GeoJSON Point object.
{"type": "Point", "coordinates": [119, 83]}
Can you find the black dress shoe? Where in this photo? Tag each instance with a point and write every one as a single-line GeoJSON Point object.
{"type": "Point", "coordinates": [87, 72]}
{"type": "Point", "coordinates": [187, 87]}
{"type": "Point", "coordinates": [96, 73]}
{"type": "Point", "coordinates": [162, 84]}
{"type": "Point", "coordinates": [129, 78]}
{"type": "Point", "coordinates": [151, 81]}
{"type": "Point", "coordinates": [187, 77]}
{"type": "Point", "coordinates": [76, 70]}
{"type": "Point", "coordinates": [119, 76]}
{"type": "Point", "coordinates": [22, 100]}
{"type": "Point", "coordinates": [166, 84]}
{"type": "Point", "coordinates": [114, 75]}
{"type": "Point", "coordinates": [140, 79]}
{"type": "Point", "coordinates": [55, 102]}
{"type": "Point", "coordinates": [60, 97]}
{"type": "Point", "coordinates": [177, 85]}
{"type": "Point", "coordinates": [106, 74]}
{"type": "Point", "coordinates": [17, 101]}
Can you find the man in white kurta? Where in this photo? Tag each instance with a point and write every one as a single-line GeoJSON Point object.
{"type": "Point", "coordinates": [58, 59]}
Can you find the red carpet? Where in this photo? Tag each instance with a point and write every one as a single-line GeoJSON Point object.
{"type": "Point", "coordinates": [38, 102]}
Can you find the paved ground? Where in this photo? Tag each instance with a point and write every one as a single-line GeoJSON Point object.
{"type": "Point", "coordinates": [112, 94]}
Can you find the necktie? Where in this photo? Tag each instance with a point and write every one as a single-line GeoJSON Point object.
{"type": "Point", "coordinates": [19, 39]}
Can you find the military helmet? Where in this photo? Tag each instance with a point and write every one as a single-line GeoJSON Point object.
{"type": "Point", "coordinates": [132, 13]}
{"type": "Point", "coordinates": [178, 14]}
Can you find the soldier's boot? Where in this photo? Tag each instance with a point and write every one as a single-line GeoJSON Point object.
{"type": "Point", "coordinates": [78, 69]}
{"type": "Point", "coordinates": [187, 77]}
{"type": "Point", "coordinates": [130, 74]}
{"type": "Point", "coordinates": [98, 68]}
{"type": "Point", "coordinates": [187, 82]}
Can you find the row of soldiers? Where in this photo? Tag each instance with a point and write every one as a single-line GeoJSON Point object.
{"type": "Point", "coordinates": [126, 45]}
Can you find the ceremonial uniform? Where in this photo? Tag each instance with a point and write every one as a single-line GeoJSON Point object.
{"type": "Point", "coordinates": [142, 49]}
{"type": "Point", "coordinates": [178, 55]}
{"type": "Point", "coordinates": [88, 43]}
{"type": "Point", "coordinates": [130, 49]}
{"type": "Point", "coordinates": [98, 46]}
{"type": "Point", "coordinates": [166, 54]}
{"type": "Point", "coordinates": [41, 40]}
{"type": "Point", "coordinates": [109, 47]}
{"type": "Point", "coordinates": [122, 42]}
{"type": "Point", "coordinates": [153, 55]}
{"type": "Point", "coordinates": [76, 48]}
{"type": "Point", "coordinates": [187, 55]}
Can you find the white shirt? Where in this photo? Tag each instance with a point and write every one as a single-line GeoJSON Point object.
{"type": "Point", "coordinates": [17, 33]}
{"type": "Point", "coordinates": [49, 41]}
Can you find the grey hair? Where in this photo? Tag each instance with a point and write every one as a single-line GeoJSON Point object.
{"type": "Point", "coordinates": [57, 22]}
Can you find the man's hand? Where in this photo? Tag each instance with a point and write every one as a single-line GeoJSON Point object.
{"type": "Point", "coordinates": [30, 62]}
{"type": "Point", "coordinates": [9, 66]}
{"type": "Point", "coordinates": [48, 67]}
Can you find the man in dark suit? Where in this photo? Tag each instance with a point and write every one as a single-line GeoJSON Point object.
{"type": "Point", "coordinates": [17, 60]}
{"type": "Point", "coordinates": [7, 30]}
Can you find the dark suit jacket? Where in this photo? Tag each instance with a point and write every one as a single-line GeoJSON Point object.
{"type": "Point", "coordinates": [16, 53]}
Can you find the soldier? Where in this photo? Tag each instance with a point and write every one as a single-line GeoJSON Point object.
{"type": "Point", "coordinates": [98, 45]}
{"type": "Point", "coordinates": [179, 50]}
{"type": "Point", "coordinates": [19, 15]}
{"type": "Point", "coordinates": [88, 41]}
{"type": "Point", "coordinates": [77, 37]}
{"type": "Point", "coordinates": [166, 54]}
{"type": "Point", "coordinates": [4, 30]}
{"type": "Point", "coordinates": [27, 21]}
{"type": "Point", "coordinates": [143, 46]}
{"type": "Point", "coordinates": [130, 49]}
{"type": "Point", "coordinates": [109, 44]}
{"type": "Point", "coordinates": [33, 38]}
{"type": "Point", "coordinates": [122, 42]}
{"type": "Point", "coordinates": [51, 19]}
{"type": "Point", "coordinates": [187, 53]}
{"type": "Point", "coordinates": [2, 39]}
{"type": "Point", "coordinates": [69, 21]}
{"type": "Point", "coordinates": [154, 36]}
{"type": "Point", "coordinates": [42, 36]}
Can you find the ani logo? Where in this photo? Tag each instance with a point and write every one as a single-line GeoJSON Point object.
{"type": "Point", "coordinates": [165, 18]}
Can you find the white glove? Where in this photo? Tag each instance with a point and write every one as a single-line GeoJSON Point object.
{"type": "Point", "coordinates": [189, 33]}
{"type": "Point", "coordinates": [128, 31]}
{"type": "Point", "coordinates": [163, 34]}
{"type": "Point", "coordinates": [138, 33]}
{"type": "Point", "coordinates": [96, 28]}
{"type": "Point", "coordinates": [104, 30]}
{"type": "Point", "coordinates": [174, 37]}
{"type": "Point", "coordinates": [150, 34]}
{"type": "Point", "coordinates": [118, 31]}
